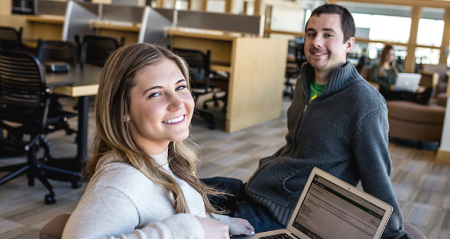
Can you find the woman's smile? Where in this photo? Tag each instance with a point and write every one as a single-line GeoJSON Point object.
{"type": "Point", "coordinates": [174, 120]}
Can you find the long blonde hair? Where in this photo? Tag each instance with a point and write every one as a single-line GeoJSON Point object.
{"type": "Point", "coordinates": [384, 54]}
{"type": "Point", "coordinates": [113, 137]}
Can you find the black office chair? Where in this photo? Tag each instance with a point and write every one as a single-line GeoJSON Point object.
{"type": "Point", "coordinates": [26, 115]}
{"type": "Point", "coordinates": [11, 39]}
{"type": "Point", "coordinates": [200, 70]}
{"type": "Point", "coordinates": [95, 50]}
{"type": "Point", "coordinates": [293, 69]}
{"type": "Point", "coordinates": [60, 51]}
{"type": "Point", "coordinates": [220, 82]}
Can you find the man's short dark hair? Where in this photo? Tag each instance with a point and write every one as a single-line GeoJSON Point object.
{"type": "Point", "coordinates": [347, 22]}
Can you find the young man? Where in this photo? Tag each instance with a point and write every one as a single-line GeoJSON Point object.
{"type": "Point", "coordinates": [336, 122]}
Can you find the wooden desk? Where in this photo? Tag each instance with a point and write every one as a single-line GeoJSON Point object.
{"type": "Point", "coordinates": [86, 82]}
{"type": "Point", "coordinates": [256, 67]}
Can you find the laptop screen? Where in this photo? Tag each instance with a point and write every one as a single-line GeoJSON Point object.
{"type": "Point", "coordinates": [329, 211]}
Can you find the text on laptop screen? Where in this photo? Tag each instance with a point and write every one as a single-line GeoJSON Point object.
{"type": "Point", "coordinates": [328, 211]}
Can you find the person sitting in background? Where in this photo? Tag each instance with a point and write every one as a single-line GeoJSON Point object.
{"type": "Point", "coordinates": [385, 73]}
{"type": "Point", "coordinates": [142, 178]}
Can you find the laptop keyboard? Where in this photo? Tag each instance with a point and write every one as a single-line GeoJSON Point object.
{"type": "Point", "coordinates": [277, 236]}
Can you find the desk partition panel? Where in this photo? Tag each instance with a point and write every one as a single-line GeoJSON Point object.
{"type": "Point", "coordinates": [78, 20]}
{"type": "Point", "coordinates": [153, 27]}
{"type": "Point", "coordinates": [221, 22]}
{"type": "Point", "coordinates": [167, 13]}
{"type": "Point", "coordinates": [123, 13]}
{"type": "Point", "coordinates": [48, 7]}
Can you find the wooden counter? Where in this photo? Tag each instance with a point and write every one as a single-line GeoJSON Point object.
{"type": "Point", "coordinates": [443, 154]}
{"type": "Point", "coordinates": [131, 33]}
{"type": "Point", "coordinates": [48, 27]}
{"type": "Point", "coordinates": [256, 67]}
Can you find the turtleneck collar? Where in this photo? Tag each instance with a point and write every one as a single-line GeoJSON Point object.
{"type": "Point", "coordinates": [339, 78]}
{"type": "Point", "coordinates": [162, 159]}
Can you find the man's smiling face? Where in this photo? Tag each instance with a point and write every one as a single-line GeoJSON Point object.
{"type": "Point", "coordinates": [325, 47]}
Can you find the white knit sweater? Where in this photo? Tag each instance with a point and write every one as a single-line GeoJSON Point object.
{"type": "Point", "coordinates": [120, 202]}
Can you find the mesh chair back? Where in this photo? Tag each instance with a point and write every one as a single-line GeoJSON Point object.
{"type": "Point", "coordinates": [10, 38]}
{"type": "Point", "coordinates": [22, 81]}
{"type": "Point", "coordinates": [199, 65]}
{"type": "Point", "coordinates": [57, 51]}
{"type": "Point", "coordinates": [98, 49]}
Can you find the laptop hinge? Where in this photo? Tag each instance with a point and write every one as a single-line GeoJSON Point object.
{"type": "Point", "coordinates": [292, 234]}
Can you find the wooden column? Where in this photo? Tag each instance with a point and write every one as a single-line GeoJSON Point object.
{"type": "Point", "coordinates": [197, 5]}
{"type": "Point", "coordinates": [204, 5]}
{"type": "Point", "coordinates": [259, 6]}
{"type": "Point", "coordinates": [229, 6]}
{"type": "Point", "coordinates": [416, 13]}
{"type": "Point", "coordinates": [445, 37]}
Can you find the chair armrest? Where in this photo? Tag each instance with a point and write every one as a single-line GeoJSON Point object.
{"type": "Point", "coordinates": [429, 79]}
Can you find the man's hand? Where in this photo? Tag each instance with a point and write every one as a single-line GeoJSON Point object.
{"type": "Point", "coordinates": [392, 87]}
{"type": "Point", "coordinates": [239, 226]}
{"type": "Point", "coordinates": [214, 229]}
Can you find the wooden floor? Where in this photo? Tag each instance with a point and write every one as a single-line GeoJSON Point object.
{"type": "Point", "coordinates": [422, 187]}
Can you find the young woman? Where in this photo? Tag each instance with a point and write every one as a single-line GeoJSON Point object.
{"type": "Point", "coordinates": [385, 73]}
{"type": "Point", "coordinates": [142, 177]}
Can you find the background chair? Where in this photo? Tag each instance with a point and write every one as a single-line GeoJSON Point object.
{"type": "Point", "coordinates": [222, 83]}
{"type": "Point", "coordinates": [436, 76]}
{"type": "Point", "coordinates": [441, 70]}
{"type": "Point", "coordinates": [416, 122]}
{"type": "Point", "coordinates": [413, 231]}
{"type": "Point", "coordinates": [11, 39]}
{"type": "Point", "coordinates": [293, 67]}
{"type": "Point", "coordinates": [26, 115]}
{"type": "Point", "coordinates": [365, 73]}
{"type": "Point", "coordinates": [200, 70]}
{"type": "Point", "coordinates": [58, 51]}
{"type": "Point", "coordinates": [61, 51]}
{"type": "Point", "coordinates": [95, 50]}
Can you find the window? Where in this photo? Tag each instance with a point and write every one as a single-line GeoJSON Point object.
{"type": "Point", "coordinates": [427, 56]}
{"type": "Point", "coordinates": [431, 27]}
{"type": "Point", "coordinates": [381, 22]}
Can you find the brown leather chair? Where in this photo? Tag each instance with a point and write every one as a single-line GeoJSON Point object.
{"type": "Point", "coordinates": [365, 73]}
{"type": "Point", "coordinates": [441, 99]}
{"type": "Point", "coordinates": [412, 121]}
{"type": "Point", "coordinates": [413, 231]}
{"type": "Point", "coordinates": [54, 228]}
{"type": "Point", "coordinates": [440, 83]}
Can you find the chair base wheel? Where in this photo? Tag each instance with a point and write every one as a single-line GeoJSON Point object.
{"type": "Point", "coordinates": [76, 183]}
{"type": "Point", "coordinates": [50, 198]}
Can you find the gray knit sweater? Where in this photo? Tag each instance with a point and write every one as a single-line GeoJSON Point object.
{"type": "Point", "coordinates": [121, 202]}
{"type": "Point", "coordinates": [344, 131]}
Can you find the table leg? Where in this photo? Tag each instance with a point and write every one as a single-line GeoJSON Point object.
{"type": "Point", "coordinates": [82, 137]}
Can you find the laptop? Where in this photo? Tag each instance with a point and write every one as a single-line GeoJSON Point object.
{"type": "Point", "coordinates": [333, 209]}
{"type": "Point", "coordinates": [407, 82]}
